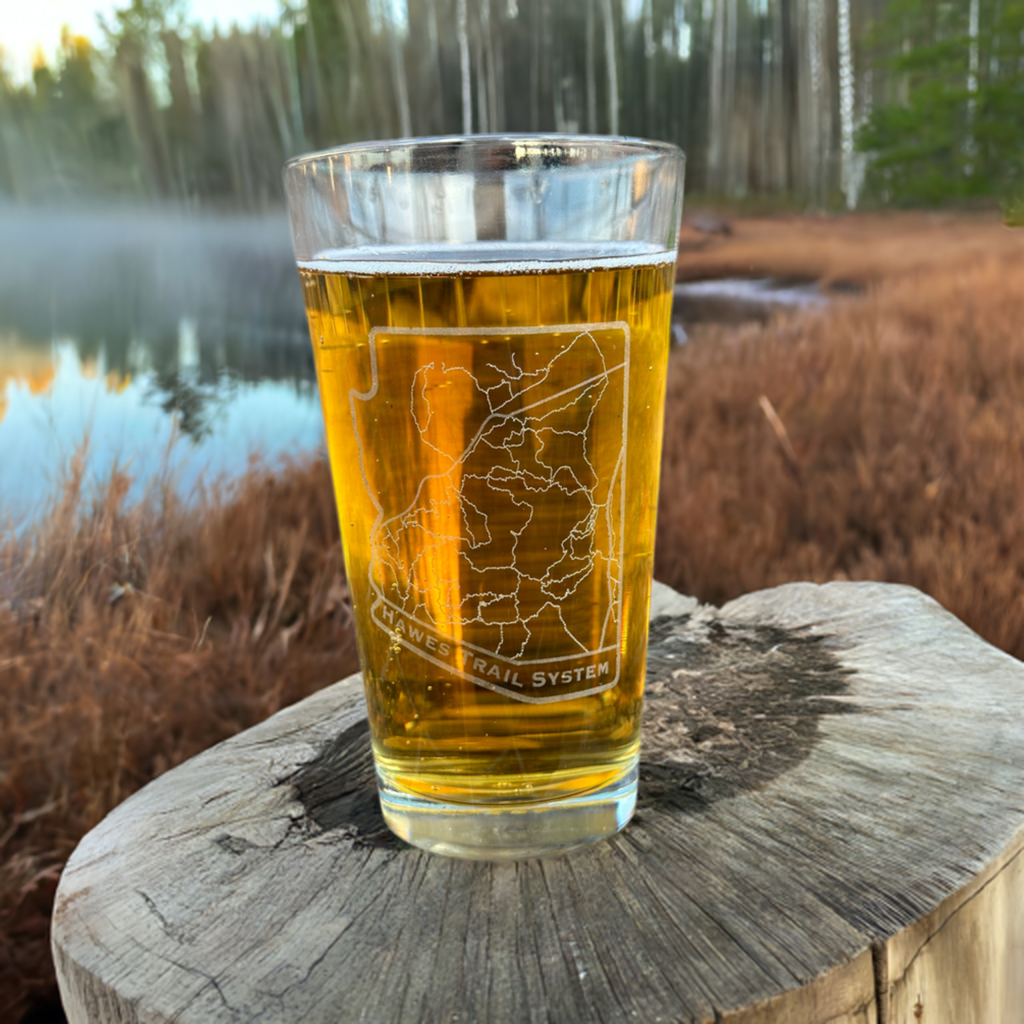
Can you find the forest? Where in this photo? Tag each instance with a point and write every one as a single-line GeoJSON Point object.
{"type": "Point", "coordinates": [136, 633]}
{"type": "Point", "coordinates": [815, 104]}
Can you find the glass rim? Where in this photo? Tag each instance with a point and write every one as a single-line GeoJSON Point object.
{"type": "Point", "coordinates": [621, 145]}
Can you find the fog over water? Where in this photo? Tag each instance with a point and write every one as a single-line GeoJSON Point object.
{"type": "Point", "coordinates": [173, 339]}
{"type": "Point", "coordinates": [162, 336]}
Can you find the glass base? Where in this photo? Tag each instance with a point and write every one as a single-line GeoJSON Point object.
{"type": "Point", "coordinates": [506, 831]}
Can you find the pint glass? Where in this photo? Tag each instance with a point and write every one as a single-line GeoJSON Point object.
{"type": "Point", "coordinates": [490, 323]}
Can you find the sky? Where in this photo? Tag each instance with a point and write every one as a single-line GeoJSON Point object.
{"type": "Point", "coordinates": [26, 24]}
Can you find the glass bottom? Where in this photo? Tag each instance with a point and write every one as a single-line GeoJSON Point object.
{"type": "Point", "coordinates": [509, 832]}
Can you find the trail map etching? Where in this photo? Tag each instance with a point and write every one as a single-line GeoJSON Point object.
{"type": "Point", "coordinates": [496, 553]}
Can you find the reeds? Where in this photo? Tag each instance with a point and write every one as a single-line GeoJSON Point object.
{"type": "Point", "coordinates": [131, 638]}
{"type": "Point", "coordinates": [904, 417]}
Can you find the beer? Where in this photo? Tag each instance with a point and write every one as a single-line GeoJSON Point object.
{"type": "Point", "coordinates": [494, 431]}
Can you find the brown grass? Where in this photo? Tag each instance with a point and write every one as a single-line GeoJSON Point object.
{"type": "Point", "coordinates": [905, 415]}
{"type": "Point", "coordinates": [880, 439]}
{"type": "Point", "coordinates": [131, 638]}
{"type": "Point", "coordinates": [857, 250]}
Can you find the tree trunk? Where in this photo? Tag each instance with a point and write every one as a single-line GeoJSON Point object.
{"type": "Point", "coordinates": [498, 53]}
{"type": "Point", "coordinates": [535, 61]}
{"type": "Point", "coordinates": [591, 72]}
{"type": "Point", "coordinates": [183, 134]}
{"type": "Point", "coordinates": [298, 127]}
{"type": "Point", "coordinates": [462, 34]}
{"type": "Point", "coordinates": [369, 87]}
{"type": "Point", "coordinates": [143, 118]}
{"type": "Point", "coordinates": [829, 830]}
{"type": "Point", "coordinates": [487, 34]}
{"type": "Point", "coordinates": [719, 94]}
{"type": "Point", "coordinates": [850, 184]}
{"type": "Point", "coordinates": [482, 105]}
{"type": "Point", "coordinates": [398, 74]}
{"type": "Point", "coordinates": [613, 77]}
{"type": "Point", "coordinates": [817, 99]}
{"type": "Point", "coordinates": [972, 84]}
{"type": "Point", "coordinates": [650, 70]}
{"type": "Point", "coordinates": [434, 56]}
{"type": "Point", "coordinates": [737, 124]}
{"type": "Point", "coordinates": [789, 101]}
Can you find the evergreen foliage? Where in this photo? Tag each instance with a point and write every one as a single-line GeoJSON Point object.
{"type": "Point", "coordinates": [58, 131]}
{"type": "Point", "coordinates": [952, 126]}
{"type": "Point", "coordinates": [764, 95]}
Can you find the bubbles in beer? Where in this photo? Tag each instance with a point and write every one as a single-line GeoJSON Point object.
{"type": "Point", "coordinates": [494, 429]}
{"type": "Point", "coordinates": [425, 260]}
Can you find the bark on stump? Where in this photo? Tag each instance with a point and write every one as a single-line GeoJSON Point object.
{"type": "Point", "coordinates": [830, 829]}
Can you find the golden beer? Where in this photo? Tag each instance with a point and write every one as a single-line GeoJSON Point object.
{"type": "Point", "coordinates": [494, 432]}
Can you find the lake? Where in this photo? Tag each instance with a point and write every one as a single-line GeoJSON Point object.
{"type": "Point", "coordinates": [164, 339]}
{"type": "Point", "coordinates": [175, 340]}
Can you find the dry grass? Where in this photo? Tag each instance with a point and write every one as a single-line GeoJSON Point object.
{"type": "Point", "coordinates": [904, 415]}
{"type": "Point", "coordinates": [859, 250]}
{"type": "Point", "coordinates": [131, 638]}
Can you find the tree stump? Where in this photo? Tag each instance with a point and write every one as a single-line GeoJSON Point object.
{"type": "Point", "coordinates": [830, 829]}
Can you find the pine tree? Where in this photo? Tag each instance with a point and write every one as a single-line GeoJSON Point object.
{"type": "Point", "coordinates": [953, 124]}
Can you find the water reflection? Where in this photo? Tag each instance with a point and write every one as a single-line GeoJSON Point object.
{"type": "Point", "coordinates": [164, 339]}
{"type": "Point", "coordinates": [151, 423]}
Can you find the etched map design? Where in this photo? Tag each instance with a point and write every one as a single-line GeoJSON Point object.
{"type": "Point", "coordinates": [498, 555]}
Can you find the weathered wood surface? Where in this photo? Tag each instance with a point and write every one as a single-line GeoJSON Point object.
{"type": "Point", "coordinates": [830, 829]}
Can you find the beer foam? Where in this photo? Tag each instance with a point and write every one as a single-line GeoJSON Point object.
{"type": "Point", "coordinates": [456, 259]}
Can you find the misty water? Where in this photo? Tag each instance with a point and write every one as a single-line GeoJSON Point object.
{"type": "Point", "coordinates": [169, 341]}
{"type": "Point", "coordinates": [163, 341]}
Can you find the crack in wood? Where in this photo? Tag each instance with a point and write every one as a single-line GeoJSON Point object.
{"type": "Point", "coordinates": [880, 965]}
{"type": "Point", "coordinates": [950, 919]}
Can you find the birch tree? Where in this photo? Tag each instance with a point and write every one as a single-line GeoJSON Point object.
{"type": "Point", "coordinates": [462, 34]}
{"type": "Point", "coordinates": [716, 107]}
{"type": "Point", "coordinates": [651, 68]}
{"type": "Point", "coordinates": [750, 88]}
{"type": "Point", "coordinates": [815, 106]}
{"type": "Point", "coordinates": [494, 77]}
{"type": "Point", "coordinates": [613, 78]}
{"type": "Point", "coordinates": [398, 74]}
{"type": "Point", "coordinates": [849, 177]}
{"type": "Point", "coordinates": [590, 71]}
{"type": "Point", "coordinates": [434, 56]}
{"type": "Point", "coordinates": [972, 83]}
{"type": "Point", "coordinates": [482, 105]}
